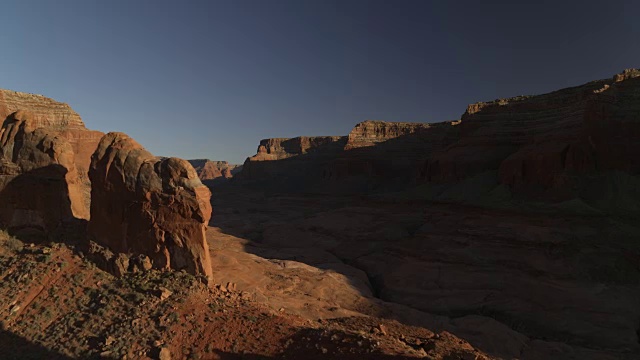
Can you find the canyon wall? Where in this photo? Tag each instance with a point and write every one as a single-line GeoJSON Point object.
{"type": "Point", "coordinates": [290, 162]}
{"type": "Point", "coordinates": [551, 147]}
{"type": "Point", "coordinates": [370, 132]}
{"type": "Point", "coordinates": [374, 154]}
{"type": "Point", "coordinates": [576, 146]}
{"type": "Point", "coordinates": [45, 112]}
{"type": "Point", "coordinates": [283, 148]}
{"type": "Point", "coordinates": [540, 140]}
{"type": "Point", "coordinates": [45, 150]}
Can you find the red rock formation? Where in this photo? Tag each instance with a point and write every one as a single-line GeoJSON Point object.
{"type": "Point", "coordinates": [295, 158]}
{"type": "Point", "coordinates": [45, 112]}
{"type": "Point", "coordinates": [211, 170]}
{"type": "Point", "coordinates": [142, 204]}
{"type": "Point", "coordinates": [52, 115]}
{"type": "Point", "coordinates": [370, 133]}
{"type": "Point", "coordinates": [542, 140]}
{"type": "Point", "coordinates": [375, 153]}
{"type": "Point", "coordinates": [45, 152]}
{"type": "Point", "coordinates": [282, 148]}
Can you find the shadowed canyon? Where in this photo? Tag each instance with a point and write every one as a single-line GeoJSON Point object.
{"type": "Point", "coordinates": [509, 233]}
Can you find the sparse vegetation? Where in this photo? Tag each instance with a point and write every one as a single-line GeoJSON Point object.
{"type": "Point", "coordinates": [10, 243]}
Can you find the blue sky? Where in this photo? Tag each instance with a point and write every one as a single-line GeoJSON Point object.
{"type": "Point", "coordinates": [209, 79]}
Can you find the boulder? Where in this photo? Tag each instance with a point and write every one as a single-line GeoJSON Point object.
{"type": "Point", "coordinates": [142, 204]}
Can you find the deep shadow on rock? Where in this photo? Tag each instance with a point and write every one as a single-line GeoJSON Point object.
{"type": "Point", "coordinates": [442, 266]}
{"type": "Point", "coordinates": [35, 203]}
{"type": "Point", "coordinates": [14, 347]}
{"type": "Point", "coordinates": [535, 267]}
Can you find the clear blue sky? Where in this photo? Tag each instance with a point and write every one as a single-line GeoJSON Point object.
{"type": "Point", "coordinates": [211, 78]}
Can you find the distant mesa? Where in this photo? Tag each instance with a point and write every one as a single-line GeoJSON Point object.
{"type": "Point", "coordinates": [375, 154]}
{"type": "Point", "coordinates": [210, 170]}
{"type": "Point", "coordinates": [370, 133]}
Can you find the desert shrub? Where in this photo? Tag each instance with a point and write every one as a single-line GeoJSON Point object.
{"type": "Point", "coordinates": [9, 242]}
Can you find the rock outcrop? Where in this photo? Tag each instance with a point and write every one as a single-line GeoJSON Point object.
{"type": "Point", "coordinates": [283, 148]}
{"type": "Point", "coordinates": [44, 149]}
{"type": "Point", "coordinates": [370, 133]}
{"type": "Point", "coordinates": [45, 112]}
{"type": "Point", "coordinates": [290, 162]}
{"type": "Point", "coordinates": [211, 170]}
{"type": "Point", "coordinates": [144, 205]}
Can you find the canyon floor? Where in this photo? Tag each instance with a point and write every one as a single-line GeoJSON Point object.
{"type": "Point", "coordinates": [331, 277]}
{"type": "Point", "coordinates": [539, 282]}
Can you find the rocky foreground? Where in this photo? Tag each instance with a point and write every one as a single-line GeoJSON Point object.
{"type": "Point", "coordinates": [56, 304]}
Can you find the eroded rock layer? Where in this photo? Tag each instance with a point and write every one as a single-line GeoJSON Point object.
{"type": "Point", "coordinates": [45, 112]}
{"type": "Point", "coordinates": [542, 140]}
{"type": "Point", "coordinates": [142, 204]}
{"type": "Point", "coordinates": [45, 151]}
{"type": "Point", "coordinates": [283, 148]}
{"type": "Point", "coordinates": [375, 155]}
{"type": "Point", "coordinates": [370, 133]}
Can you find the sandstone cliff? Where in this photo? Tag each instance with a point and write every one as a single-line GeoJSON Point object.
{"type": "Point", "coordinates": [145, 205]}
{"type": "Point", "coordinates": [374, 155]}
{"type": "Point", "coordinates": [552, 147]}
{"type": "Point", "coordinates": [290, 162]}
{"type": "Point", "coordinates": [370, 133]}
{"type": "Point", "coordinates": [545, 144]}
{"type": "Point", "coordinates": [389, 152]}
{"type": "Point", "coordinates": [45, 152]}
{"type": "Point", "coordinates": [283, 148]}
{"type": "Point", "coordinates": [45, 112]}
